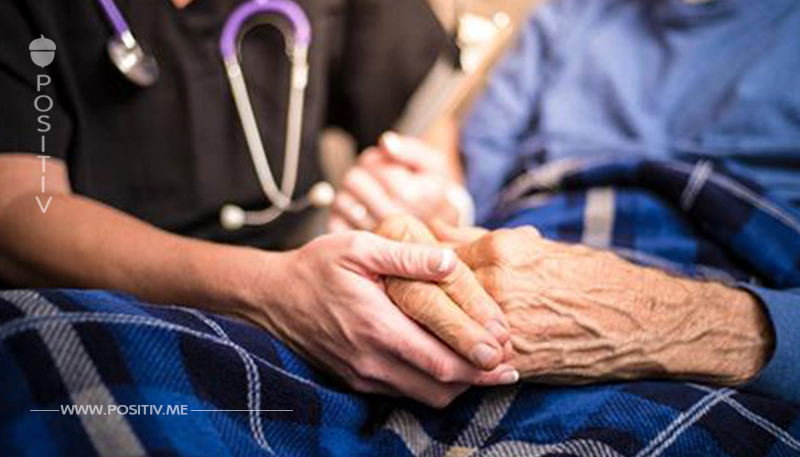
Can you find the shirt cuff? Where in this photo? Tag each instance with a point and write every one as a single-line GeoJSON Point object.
{"type": "Point", "coordinates": [780, 378]}
{"type": "Point", "coordinates": [462, 201]}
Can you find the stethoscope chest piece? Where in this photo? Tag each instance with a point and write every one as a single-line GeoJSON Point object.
{"type": "Point", "coordinates": [139, 67]}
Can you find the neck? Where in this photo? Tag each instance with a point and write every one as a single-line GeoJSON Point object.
{"type": "Point", "coordinates": [180, 4]}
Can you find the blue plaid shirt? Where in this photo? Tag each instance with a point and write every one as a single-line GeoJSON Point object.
{"type": "Point", "coordinates": [661, 79]}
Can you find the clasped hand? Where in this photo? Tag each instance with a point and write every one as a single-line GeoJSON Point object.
{"type": "Point", "coordinates": [580, 315]}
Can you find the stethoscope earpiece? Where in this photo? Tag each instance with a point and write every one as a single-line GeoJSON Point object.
{"type": "Point", "coordinates": [232, 217]}
{"type": "Point", "coordinates": [322, 195]}
{"type": "Point", "coordinates": [124, 51]}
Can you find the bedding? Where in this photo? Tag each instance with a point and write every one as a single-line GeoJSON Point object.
{"type": "Point", "coordinates": [233, 389]}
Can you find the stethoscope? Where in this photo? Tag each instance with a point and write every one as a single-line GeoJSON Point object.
{"type": "Point", "coordinates": [142, 69]}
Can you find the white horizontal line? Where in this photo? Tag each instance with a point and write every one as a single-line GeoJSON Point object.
{"type": "Point", "coordinates": [247, 410]}
{"type": "Point", "coordinates": [48, 410]}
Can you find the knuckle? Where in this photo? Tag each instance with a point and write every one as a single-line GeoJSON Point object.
{"type": "Point", "coordinates": [499, 245]}
{"type": "Point", "coordinates": [493, 281]}
{"type": "Point", "coordinates": [409, 259]}
{"type": "Point", "coordinates": [359, 244]}
{"type": "Point", "coordinates": [458, 277]}
{"type": "Point", "coordinates": [360, 385]}
{"type": "Point", "coordinates": [441, 370]}
{"type": "Point", "coordinates": [409, 296]}
{"type": "Point", "coordinates": [395, 227]}
{"type": "Point", "coordinates": [369, 368]}
{"type": "Point", "coordinates": [353, 178]}
{"type": "Point", "coordinates": [528, 231]}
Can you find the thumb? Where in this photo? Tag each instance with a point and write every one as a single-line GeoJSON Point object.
{"type": "Point", "coordinates": [409, 261]}
{"type": "Point", "coordinates": [447, 233]}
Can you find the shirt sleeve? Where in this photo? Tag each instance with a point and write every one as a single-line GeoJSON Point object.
{"type": "Point", "coordinates": [506, 110]}
{"type": "Point", "coordinates": [780, 378]}
{"type": "Point", "coordinates": [389, 48]}
{"type": "Point", "coordinates": [20, 126]}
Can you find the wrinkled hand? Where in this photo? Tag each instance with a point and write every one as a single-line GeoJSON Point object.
{"type": "Point", "coordinates": [327, 302]}
{"type": "Point", "coordinates": [401, 175]}
{"type": "Point", "coordinates": [581, 315]}
{"type": "Point", "coordinates": [456, 308]}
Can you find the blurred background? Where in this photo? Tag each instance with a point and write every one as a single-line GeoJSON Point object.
{"type": "Point", "coordinates": [483, 29]}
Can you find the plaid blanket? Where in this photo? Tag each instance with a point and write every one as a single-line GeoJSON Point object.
{"type": "Point", "coordinates": [168, 380]}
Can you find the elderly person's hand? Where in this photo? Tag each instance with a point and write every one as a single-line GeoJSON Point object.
{"type": "Point", "coordinates": [580, 315]}
{"type": "Point", "coordinates": [455, 308]}
{"type": "Point", "coordinates": [327, 301]}
{"type": "Point", "coordinates": [402, 175]}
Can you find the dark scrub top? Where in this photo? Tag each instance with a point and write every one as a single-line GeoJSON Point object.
{"type": "Point", "coordinates": [173, 154]}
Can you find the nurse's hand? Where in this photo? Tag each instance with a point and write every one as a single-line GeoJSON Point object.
{"type": "Point", "coordinates": [402, 175]}
{"type": "Point", "coordinates": [327, 301]}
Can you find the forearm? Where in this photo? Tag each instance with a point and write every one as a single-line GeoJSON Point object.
{"type": "Point", "coordinates": [581, 315]}
{"type": "Point", "coordinates": [82, 243]}
{"type": "Point", "coordinates": [443, 137]}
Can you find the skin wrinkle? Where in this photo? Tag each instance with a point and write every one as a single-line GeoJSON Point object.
{"type": "Point", "coordinates": [580, 315]}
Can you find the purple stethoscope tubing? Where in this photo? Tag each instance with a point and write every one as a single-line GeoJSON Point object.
{"type": "Point", "coordinates": [288, 9]}
{"type": "Point", "coordinates": [142, 69]}
{"type": "Point", "coordinates": [114, 16]}
{"type": "Point", "coordinates": [293, 13]}
{"type": "Point", "coordinates": [298, 40]}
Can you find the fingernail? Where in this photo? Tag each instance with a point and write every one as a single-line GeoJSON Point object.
{"type": "Point", "coordinates": [446, 261]}
{"type": "Point", "coordinates": [509, 377]}
{"type": "Point", "coordinates": [484, 354]}
{"type": "Point", "coordinates": [496, 329]}
{"type": "Point", "coordinates": [391, 141]}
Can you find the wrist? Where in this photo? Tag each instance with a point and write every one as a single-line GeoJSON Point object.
{"type": "Point", "coordinates": [726, 337]}
{"type": "Point", "coordinates": [262, 290]}
{"type": "Point", "coordinates": [231, 280]}
{"type": "Point", "coordinates": [751, 337]}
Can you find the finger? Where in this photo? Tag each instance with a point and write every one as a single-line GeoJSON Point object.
{"type": "Point", "coordinates": [373, 387]}
{"type": "Point", "coordinates": [412, 152]}
{"type": "Point", "coordinates": [432, 308]}
{"type": "Point", "coordinates": [337, 224]}
{"type": "Point", "coordinates": [406, 228]}
{"type": "Point", "coordinates": [472, 254]}
{"type": "Point", "coordinates": [391, 374]}
{"type": "Point", "coordinates": [448, 233]}
{"type": "Point", "coordinates": [353, 212]}
{"type": "Point", "coordinates": [385, 257]}
{"type": "Point", "coordinates": [464, 289]}
{"type": "Point", "coordinates": [388, 173]}
{"type": "Point", "coordinates": [431, 356]}
{"type": "Point", "coordinates": [369, 192]}
{"type": "Point", "coordinates": [461, 287]}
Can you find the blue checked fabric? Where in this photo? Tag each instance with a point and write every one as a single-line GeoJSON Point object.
{"type": "Point", "coordinates": [98, 348]}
